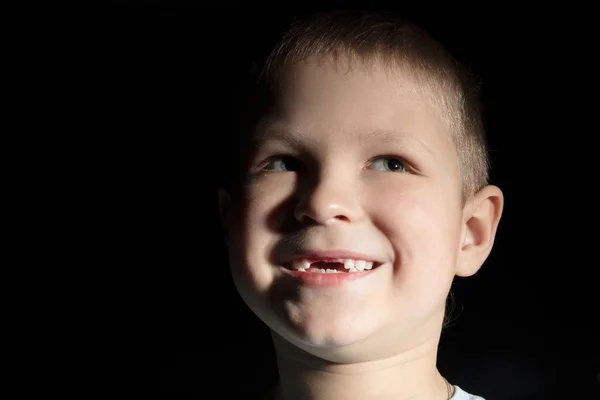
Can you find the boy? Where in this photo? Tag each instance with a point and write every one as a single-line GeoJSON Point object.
{"type": "Point", "coordinates": [361, 193]}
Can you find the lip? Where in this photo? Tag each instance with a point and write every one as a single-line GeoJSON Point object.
{"type": "Point", "coordinates": [316, 279]}
{"type": "Point", "coordinates": [333, 255]}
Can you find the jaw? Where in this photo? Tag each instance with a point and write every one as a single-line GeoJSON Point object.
{"type": "Point", "coordinates": [372, 343]}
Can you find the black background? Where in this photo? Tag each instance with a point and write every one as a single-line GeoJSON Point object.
{"type": "Point", "coordinates": [525, 324]}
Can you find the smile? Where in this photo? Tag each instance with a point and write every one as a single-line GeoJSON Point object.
{"type": "Point", "coordinates": [332, 266]}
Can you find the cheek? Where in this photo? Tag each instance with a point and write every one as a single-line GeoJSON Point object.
{"type": "Point", "coordinates": [423, 227]}
{"type": "Point", "coordinates": [267, 203]}
{"type": "Point", "coordinates": [418, 211]}
{"type": "Point", "coordinates": [257, 217]}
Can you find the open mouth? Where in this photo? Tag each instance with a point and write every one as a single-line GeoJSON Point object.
{"type": "Point", "coordinates": [331, 266]}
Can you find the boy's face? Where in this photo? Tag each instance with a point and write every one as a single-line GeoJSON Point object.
{"type": "Point", "coordinates": [349, 165]}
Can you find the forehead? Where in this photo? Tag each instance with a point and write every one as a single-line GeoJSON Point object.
{"type": "Point", "coordinates": [320, 95]}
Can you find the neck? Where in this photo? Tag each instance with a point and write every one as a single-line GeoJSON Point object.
{"type": "Point", "coordinates": [410, 374]}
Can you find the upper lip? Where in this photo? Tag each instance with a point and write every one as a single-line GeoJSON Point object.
{"type": "Point", "coordinates": [316, 255]}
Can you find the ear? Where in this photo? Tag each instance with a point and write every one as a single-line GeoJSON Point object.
{"type": "Point", "coordinates": [481, 216]}
{"type": "Point", "coordinates": [225, 212]}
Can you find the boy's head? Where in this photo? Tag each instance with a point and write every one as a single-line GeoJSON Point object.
{"type": "Point", "coordinates": [368, 39]}
{"type": "Point", "coordinates": [363, 192]}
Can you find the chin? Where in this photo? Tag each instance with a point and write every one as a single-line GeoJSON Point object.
{"type": "Point", "coordinates": [325, 332]}
{"type": "Point", "coordinates": [341, 349]}
{"type": "Point", "coordinates": [327, 340]}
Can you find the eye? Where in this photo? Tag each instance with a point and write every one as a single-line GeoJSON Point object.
{"type": "Point", "coordinates": [389, 164]}
{"type": "Point", "coordinates": [282, 164]}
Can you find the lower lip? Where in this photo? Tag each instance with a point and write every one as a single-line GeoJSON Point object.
{"type": "Point", "coordinates": [317, 279]}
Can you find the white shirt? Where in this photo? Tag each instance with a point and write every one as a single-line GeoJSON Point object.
{"type": "Point", "coordinates": [460, 394]}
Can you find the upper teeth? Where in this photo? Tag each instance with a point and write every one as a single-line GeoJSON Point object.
{"type": "Point", "coordinates": [349, 264]}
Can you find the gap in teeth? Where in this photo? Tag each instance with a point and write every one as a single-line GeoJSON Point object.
{"type": "Point", "coordinates": [350, 265]}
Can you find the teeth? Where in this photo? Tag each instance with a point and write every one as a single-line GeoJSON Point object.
{"type": "Point", "coordinates": [327, 271]}
{"type": "Point", "coordinates": [301, 265]}
{"type": "Point", "coordinates": [349, 264]}
{"type": "Point", "coordinates": [360, 265]}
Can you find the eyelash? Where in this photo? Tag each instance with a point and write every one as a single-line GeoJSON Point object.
{"type": "Point", "coordinates": [289, 159]}
{"type": "Point", "coordinates": [399, 160]}
{"type": "Point", "coordinates": [296, 164]}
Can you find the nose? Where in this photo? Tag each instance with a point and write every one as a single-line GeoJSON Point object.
{"type": "Point", "coordinates": [328, 201]}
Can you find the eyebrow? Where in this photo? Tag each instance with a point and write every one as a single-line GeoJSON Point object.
{"type": "Point", "coordinates": [391, 136]}
{"type": "Point", "coordinates": [270, 129]}
{"type": "Point", "coordinates": [278, 130]}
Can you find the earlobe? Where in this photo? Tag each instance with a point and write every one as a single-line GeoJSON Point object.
{"type": "Point", "coordinates": [481, 218]}
{"type": "Point", "coordinates": [224, 212]}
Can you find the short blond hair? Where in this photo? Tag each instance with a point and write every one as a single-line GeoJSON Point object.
{"type": "Point", "coordinates": [396, 43]}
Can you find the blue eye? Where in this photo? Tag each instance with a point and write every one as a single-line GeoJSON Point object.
{"type": "Point", "coordinates": [389, 164]}
{"type": "Point", "coordinates": [282, 164]}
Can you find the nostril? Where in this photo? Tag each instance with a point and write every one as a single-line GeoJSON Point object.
{"type": "Point", "coordinates": [342, 217]}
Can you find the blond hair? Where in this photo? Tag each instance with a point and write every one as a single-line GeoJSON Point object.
{"type": "Point", "coordinates": [402, 46]}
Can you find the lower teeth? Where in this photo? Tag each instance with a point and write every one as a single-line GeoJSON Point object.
{"type": "Point", "coordinates": [328, 271]}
